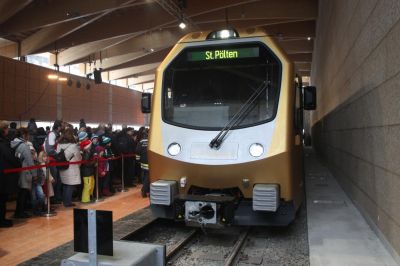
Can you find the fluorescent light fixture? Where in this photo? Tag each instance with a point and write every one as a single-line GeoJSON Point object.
{"type": "Point", "coordinates": [182, 25]}
{"type": "Point", "coordinates": [52, 76]}
{"type": "Point", "coordinates": [62, 79]}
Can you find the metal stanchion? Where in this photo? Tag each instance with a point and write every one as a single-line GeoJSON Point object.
{"type": "Point", "coordinates": [97, 181]}
{"type": "Point", "coordinates": [49, 212]}
{"type": "Point", "coordinates": [123, 189]}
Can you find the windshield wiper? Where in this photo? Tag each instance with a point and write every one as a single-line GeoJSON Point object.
{"type": "Point", "coordinates": [239, 115]}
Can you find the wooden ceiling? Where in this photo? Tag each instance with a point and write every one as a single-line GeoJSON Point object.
{"type": "Point", "coordinates": [129, 38]}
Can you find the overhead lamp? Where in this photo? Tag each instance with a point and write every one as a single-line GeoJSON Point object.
{"type": "Point", "coordinates": [62, 79]}
{"type": "Point", "coordinates": [52, 76]}
{"type": "Point", "coordinates": [182, 25]}
{"type": "Point", "coordinates": [151, 50]}
{"type": "Point", "coordinates": [308, 38]}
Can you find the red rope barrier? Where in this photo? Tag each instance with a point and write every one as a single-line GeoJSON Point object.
{"type": "Point", "coordinates": [27, 168]}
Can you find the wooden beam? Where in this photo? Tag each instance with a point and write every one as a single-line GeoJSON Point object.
{"type": "Point", "coordinates": [297, 46]}
{"type": "Point", "coordinates": [304, 73]}
{"type": "Point", "coordinates": [271, 9]}
{"type": "Point", "coordinates": [301, 57]}
{"type": "Point", "coordinates": [51, 34]}
{"type": "Point", "coordinates": [150, 58]}
{"type": "Point", "coordinates": [132, 71]}
{"type": "Point", "coordinates": [302, 29]}
{"type": "Point", "coordinates": [69, 56]}
{"type": "Point", "coordinates": [9, 8]}
{"type": "Point", "coordinates": [48, 13]}
{"type": "Point", "coordinates": [303, 65]}
{"type": "Point", "coordinates": [110, 62]}
{"type": "Point", "coordinates": [143, 79]}
{"type": "Point", "coordinates": [138, 19]}
{"type": "Point", "coordinates": [156, 40]}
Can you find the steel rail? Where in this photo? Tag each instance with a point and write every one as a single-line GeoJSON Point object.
{"type": "Point", "coordinates": [175, 248]}
{"type": "Point", "coordinates": [236, 248]}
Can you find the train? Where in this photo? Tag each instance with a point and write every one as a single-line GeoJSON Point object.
{"type": "Point", "coordinates": [226, 131]}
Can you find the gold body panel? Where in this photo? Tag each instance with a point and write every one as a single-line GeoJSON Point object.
{"type": "Point", "coordinates": [283, 164]}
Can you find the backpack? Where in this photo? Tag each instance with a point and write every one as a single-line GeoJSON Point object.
{"type": "Point", "coordinates": [60, 158]}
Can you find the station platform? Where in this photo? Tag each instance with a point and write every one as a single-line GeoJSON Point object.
{"type": "Point", "coordinates": [336, 231]}
{"type": "Point", "coordinates": [31, 237]}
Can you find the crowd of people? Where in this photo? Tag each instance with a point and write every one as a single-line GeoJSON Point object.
{"type": "Point", "coordinates": [79, 155]}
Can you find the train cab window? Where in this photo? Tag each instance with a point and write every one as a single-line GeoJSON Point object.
{"type": "Point", "coordinates": [205, 87]}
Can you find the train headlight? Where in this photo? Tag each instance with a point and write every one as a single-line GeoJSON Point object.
{"type": "Point", "coordinates": [174, 149]}
{"type": "Point", "coordinates": [256, 149]}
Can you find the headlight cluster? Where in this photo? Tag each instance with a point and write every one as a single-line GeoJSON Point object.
{"type": "Point", "coordinates": [256, 149]}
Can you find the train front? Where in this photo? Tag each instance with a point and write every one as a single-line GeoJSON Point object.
{"type": "Point", "coordinates": [221, 145]}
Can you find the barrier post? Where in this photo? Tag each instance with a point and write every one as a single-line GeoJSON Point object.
{"type": "Point", "coordinates": [97, 181]}
{"type": "Point", "coordinates": [49, 212]}
{"type": "Point", "coordinates": [123, 189]}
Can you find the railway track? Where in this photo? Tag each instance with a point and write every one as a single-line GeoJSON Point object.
{"type": "Point", "coordinates": [192, 246]}
{"type": "Point", "coordinates": [226, 246]}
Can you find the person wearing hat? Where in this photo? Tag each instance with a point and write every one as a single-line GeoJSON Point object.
{"type": "Point", "coordinates": [87, 170]}
{"type": "Point", "coordinates": [105, 173]}
{"type": "Point", "coordinates": [50, 147]}
{"type": "Point", "coordinates": [82, 135]}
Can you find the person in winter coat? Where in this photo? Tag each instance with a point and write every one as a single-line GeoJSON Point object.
{"type": "Point", "coordinates": [23, 153]}
{"type": "Point", "coordinates": [50, 147]}
{"type": "Point", "coordinates": [8, 182]}
{"type": "Point", "coordinates": [104, 151]}
{"type": "Point", "coordinates": [87, 170]}
{"type": "Point", "coordinates": [71, 176]}
{"type": "Point", "coordinates": [37, 186]}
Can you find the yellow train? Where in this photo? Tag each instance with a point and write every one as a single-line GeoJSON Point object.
{"type": "Point", "coordinates": [225, 142]}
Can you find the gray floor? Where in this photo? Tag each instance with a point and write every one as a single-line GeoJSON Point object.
{"type": "Point", "coordinates": [337, 232]}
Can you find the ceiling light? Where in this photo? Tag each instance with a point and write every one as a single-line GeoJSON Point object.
{"type": "Point", "coordinates": [151, 50]}
{"type": "Point", "coordinates": [308, 38]}
{"type": "Point", "coordinates": [182, 25]}
{"type": "Point", "coordinates": [62, 79]}
{"type": "Point", "coordinates": [52, 76]}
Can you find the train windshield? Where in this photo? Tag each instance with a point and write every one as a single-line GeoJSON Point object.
{"type": "Point", "coordinates": [205, 87]}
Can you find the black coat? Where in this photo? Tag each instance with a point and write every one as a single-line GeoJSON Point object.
{"type": "Point", "coordinates": [88, 169]}
{"type": "Point", "coordinates": [8, 182]}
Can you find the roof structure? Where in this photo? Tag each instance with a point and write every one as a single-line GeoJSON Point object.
{"type": "Point", "coordinates": [129, 38]}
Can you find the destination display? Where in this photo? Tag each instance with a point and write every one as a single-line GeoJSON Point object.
{"type": "Point", "coordinates": [223, 54]}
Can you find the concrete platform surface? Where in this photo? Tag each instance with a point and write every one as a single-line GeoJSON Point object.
{"type": "Point", "coordinates": [338, 234]}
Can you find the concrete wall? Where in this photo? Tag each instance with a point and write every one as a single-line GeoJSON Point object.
{"type": "Point", "coordinates": [26, 91]}
{"type": "Point", "coordinates": [356, 127]}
